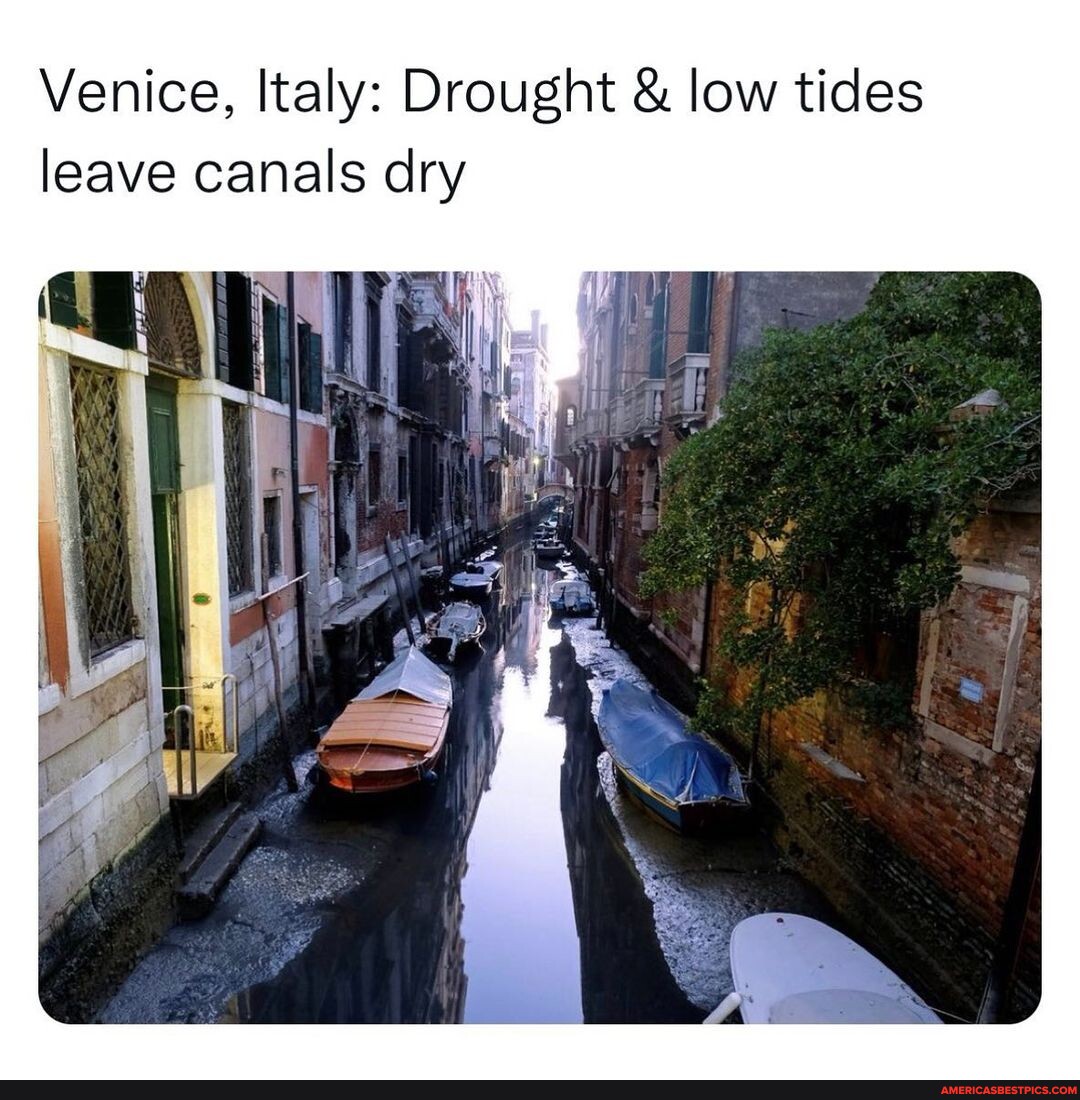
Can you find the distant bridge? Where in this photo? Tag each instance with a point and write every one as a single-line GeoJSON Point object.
{"type": "Point", "coordinates": [554, 490]}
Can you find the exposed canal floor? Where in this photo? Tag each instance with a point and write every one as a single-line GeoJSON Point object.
{"type": "Point", "coordinates": [521, 887]}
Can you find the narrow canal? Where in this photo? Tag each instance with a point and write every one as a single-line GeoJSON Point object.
{"type": "Point", "coordinates": [508, 896]}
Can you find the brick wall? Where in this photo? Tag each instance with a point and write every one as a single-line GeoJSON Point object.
{"type": "Point", "coordinates": [914, 833]}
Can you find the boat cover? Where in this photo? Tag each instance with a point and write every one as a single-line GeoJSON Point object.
{"type": "Point", "coordinates": [571, 593]}
{"type": "Point", "coordinates": [414, 674]}
{"type": "Point", "coordinates": [648, 737]}
{"type": "Point", "coordinates": [477, 579]}
{"type": "Point", "coordinates": [459, 618]}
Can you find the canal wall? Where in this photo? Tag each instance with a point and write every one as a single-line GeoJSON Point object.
{"type": "Point", "coordinates": [913, 829]}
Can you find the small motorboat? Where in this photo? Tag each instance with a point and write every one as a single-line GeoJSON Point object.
{"type": "Point", "coordinates": [472, 582]}
{"type": "Point", "coordinates": [571, 597]}
{"type": "Point", "coordinates": [545, 530]}
{"type": "Point", "coordinates": [392, 734]}
{"type": "Point", "coordinates": [549, 549]}
{"type": "Point", "coordinates": [790, 969]}
{"type": "Point", "coordinates": [458, 623]}
{"type": "Point", "coordinates": [489, 566]}
{"type": "Point", "coordinates": [687, 782]}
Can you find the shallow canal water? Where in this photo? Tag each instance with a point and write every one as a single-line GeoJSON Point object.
{"type": "Point", "coordinates": [509, 896]}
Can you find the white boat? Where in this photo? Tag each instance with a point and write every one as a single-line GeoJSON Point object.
{"type": "Point", "coordinates": [790, 969]}
{"type": "Point", "coordinates": [472, 582]}
{"type": "Point", "coordinates": [549, 548]}
{"type": "Point", "coordinates": [491, 568]}
{"type": "Point", "coordinates": [458, 623]}
{"type": "Point", "coordinates": [571, 597]}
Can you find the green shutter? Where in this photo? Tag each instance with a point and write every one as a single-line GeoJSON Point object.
{"type": "Point", "coordinates": [315, 374]}
{"type": "Point", "coordinates": [284, 354]}
{"type": "Point", "coordinates": [271, 350]}
{"type": "Point", "coordinates": [63, 309]}
{"type": "Point", "coordinates": [221, 325]}
{"type": "Point", "coordinates": [114, 308]}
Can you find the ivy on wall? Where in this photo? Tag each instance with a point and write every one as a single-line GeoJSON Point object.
{"type": "Point", "coordinates": [842, 465]}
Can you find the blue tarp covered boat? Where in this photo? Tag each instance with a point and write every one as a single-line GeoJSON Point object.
{"type": "Point", "coordinates": [688, 782]}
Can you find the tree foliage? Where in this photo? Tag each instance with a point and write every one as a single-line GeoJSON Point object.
{"type": "Point", "coordinates": [835, 479]}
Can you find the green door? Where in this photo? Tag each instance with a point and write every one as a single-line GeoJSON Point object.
{"type": "Point", "coordinates": [165, 491]}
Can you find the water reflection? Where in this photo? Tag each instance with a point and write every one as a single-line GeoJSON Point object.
{"type": "Point", "coordinates": [476, 917]}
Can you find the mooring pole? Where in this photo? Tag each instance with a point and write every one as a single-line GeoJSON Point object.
{"type": "Point", "coordinates": [400, 593]}
{"type": "Point", "coordinates": [413, 583]}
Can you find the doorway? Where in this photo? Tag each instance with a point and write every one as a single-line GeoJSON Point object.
{"type": "Point", "coordinates": [164, 450]}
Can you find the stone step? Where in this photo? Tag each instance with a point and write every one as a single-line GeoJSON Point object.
{"type": "Point", "coordinates": [200, 842]}
{"type": "Point", "coordinates": [197, 896]}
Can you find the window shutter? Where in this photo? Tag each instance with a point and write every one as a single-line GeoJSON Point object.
{"type": "Point", "coordinates": [284, 353]}
{"type": "Point", "coordinates": [271, 351]}
{"type": "Point", "coordinates": [62, 306]}
{"type": "Point", "coordinates": [114, 308]}
{"type": "Point", "coordinates": [243, 374]}
{"type": "Point", "coordinates": [315, 374]}
{"type": "Point", "coordinates": [221, 326]}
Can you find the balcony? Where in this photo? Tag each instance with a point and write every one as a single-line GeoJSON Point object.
{"type": "Point", "coordinates": [689, 376]}
{"type": "Point", "coordinates": [620, 414]}
{"type": "Point", "coordinates": [644, 407]}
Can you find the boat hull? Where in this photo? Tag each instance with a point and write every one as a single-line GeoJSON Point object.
{"type": "Point", "coordinates": [340, 775]}
{"type": "Point", "coordinates": [687, 818]}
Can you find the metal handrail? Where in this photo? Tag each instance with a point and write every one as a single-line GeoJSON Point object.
{"type": "Point", "coordinates": [235, 711]}
{"type": "Point", "coordinates": [179, 754]}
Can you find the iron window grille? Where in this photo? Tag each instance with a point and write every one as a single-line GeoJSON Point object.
{"type": "Point", "coordinates": [237, 498]}
{"type": "Point", "coordinates": [95, 415]}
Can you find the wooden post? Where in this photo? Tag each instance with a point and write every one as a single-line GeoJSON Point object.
{"type": "Point", "coordinates": [413, 583]}
{"type": "Point", "coordinates": [400, 594]}
{"type": "Point", "coordinates": [275, 660]}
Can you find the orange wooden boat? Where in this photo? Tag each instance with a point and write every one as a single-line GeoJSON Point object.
{"type": "Point", "coordinates": [392, 734]}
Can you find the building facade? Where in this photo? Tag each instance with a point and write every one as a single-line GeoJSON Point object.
{"type": "Point", "coordinates": [913, 833]}
{"type": "Point", "coordinates": [230, 459]}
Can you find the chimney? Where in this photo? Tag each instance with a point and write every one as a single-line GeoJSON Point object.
{"type": "Point", "coordinates": [536, 326]}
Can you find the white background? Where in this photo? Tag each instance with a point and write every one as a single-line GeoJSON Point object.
{"type": "Point", "coordinates": [982, 177]}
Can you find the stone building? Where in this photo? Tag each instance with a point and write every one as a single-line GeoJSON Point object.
{"type": "Point", "coordinates": [170, 475]}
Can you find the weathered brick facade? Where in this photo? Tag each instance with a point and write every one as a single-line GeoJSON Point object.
{"type": "Point", "coordinates": [914, 833]}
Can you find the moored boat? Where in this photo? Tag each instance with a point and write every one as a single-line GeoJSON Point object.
{"type": "Point", "coordinates": [549, 548]}
{"type": "Point", "coordinates": [687, 782]}
{"type": "Point", "coordinates": [491, 568]}
{"type": "Point", "coordinates": [791, 969]}
{"type": "Point", "coordinates": [458, 623]}
{"type": "Point", "coordinates": [472, 582]}
{"type": "Point", "coordinates": [392, 734]}
{"type": "Point", "coordinates": [571, 597]}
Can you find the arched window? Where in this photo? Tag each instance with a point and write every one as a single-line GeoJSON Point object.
{"type": "Point", "coordinates": [650, 290]}
{"type": "Point", "coordinates": [571, 415]}
{"type": "Point", "coordinates": [633, 309]}
{"type": "Point", "coordinates": [172, 340]}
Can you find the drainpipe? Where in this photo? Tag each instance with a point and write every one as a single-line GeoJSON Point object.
{"type": "Point", "coordinates": [307, 687]}
{"type": "Point", "coordinates": [1010, 938]}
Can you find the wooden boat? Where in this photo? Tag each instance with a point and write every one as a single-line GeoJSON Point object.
{"type": "Point", "coordinates": [472, 582]}
{"type": "Point", "coordinates": [790, 969]}
{"type": "Point", "coordinates": [685, 781]}
{"type": "Point", "coordinates": [392, 734]}
{"type": "Point", "coordinates": [549, 548]}
{"type": "Point", "coordinates": [571, 597]}
{"type": "Point", "coordinates": [458, 623]}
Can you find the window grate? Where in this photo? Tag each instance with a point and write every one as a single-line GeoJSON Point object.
{"type": "Point", "coordinates": [237, 498]}
{"type": "Point", "coordinates": [95, 413]}
{"type": "Point", "coordinates": [172, 339]}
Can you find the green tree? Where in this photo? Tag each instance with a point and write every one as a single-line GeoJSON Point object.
{"type": "Point", "coordinates": [834, 480]}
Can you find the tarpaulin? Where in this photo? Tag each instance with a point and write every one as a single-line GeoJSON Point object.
{"type": "Point", "coordinates": [648, 737]}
